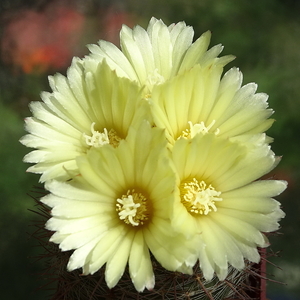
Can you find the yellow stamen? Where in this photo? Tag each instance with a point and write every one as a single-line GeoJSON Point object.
{"type": "Point", "coordinates": [132, 208]}
{"type": "Point", "coordinates": [198, 198]}
{"type": "Point", "coordinates": [114, 139]}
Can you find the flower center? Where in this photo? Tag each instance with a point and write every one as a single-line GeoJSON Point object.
{"type": "Point", "coordinates": [132, 208]}
{"type": "Point", "coordinates": [198, 128]}
{"type": "Point", "coordinates": [98, 139]}
{"type": "Point", "coordinates": [198, 198]}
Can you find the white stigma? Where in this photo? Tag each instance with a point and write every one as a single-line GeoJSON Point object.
{"type": "Point", "coordinates": [198, 198]}
{"type": "Point", "coordinates": [128, 210]}
{"type": "Point", "coordinates": [97, 139]}
{"type": "Point", "coordinates": [132, 208]}
{"type": "Point", "coordinates": [154, 78]}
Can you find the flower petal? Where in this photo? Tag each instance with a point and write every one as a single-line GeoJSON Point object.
{"type": "Point", "coordinates": [115, 265]}
{"type": "Point", "coordinates": [140, 266]}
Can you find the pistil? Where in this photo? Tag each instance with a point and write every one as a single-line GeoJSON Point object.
{"type": "Point", "coordinates": [198, 198]}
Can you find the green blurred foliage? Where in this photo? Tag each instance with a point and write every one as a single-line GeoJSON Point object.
{"type": "Point", "coordinates": [16, 246]}
{"type": "Point", "coordinates": [264, 36]}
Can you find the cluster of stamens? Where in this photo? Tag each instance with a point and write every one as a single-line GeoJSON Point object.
{"type": "Point", "coordinates": [198, 128]}
{"type": "Point", "coordinates": [132, 208]}
{"type": "Point", "coordinates": [199, 198]}
{"type": "Point", "coordinates": [98, 139]}
{"type": "Point", "coordinates": [154, 78]}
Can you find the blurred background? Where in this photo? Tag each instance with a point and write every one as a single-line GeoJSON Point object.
{"type": "Point", "coordinates": [39, 38]}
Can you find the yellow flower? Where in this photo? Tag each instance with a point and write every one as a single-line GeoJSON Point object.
{"type": "Point", "coordinates": [149, 149]}
{"type": "Point", "coordinates": [85, 110]}
{"type": "Point", "coordinates": [151, 57]}
{"type": "Point", "coordinates": [118, 209]}
{"type": "Point", "coordinates": [224, 208]}
{"type": "Point", "coordinates": [199, 101]}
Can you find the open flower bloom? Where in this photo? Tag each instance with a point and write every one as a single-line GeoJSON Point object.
{"type": "Point", "coordinates": [223, 208]}
{"type": "Point", "coordinates": [199, 101]}
{"type": "Point", "coordinates": [104, 94]}
{"type": "Point", "coordinates": [151, 57]}
{"type": "Point", "coordinates": [85, 110]}
{"type": "Point", "coordinates": [118, 209]}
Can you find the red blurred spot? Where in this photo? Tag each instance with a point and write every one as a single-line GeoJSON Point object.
{"type": "Point", "coordinates": [37, 41]}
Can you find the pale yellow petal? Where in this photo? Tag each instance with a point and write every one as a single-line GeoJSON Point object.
{"type": "Point", "coordinates": [104, 249]}
{"type": "Point", "coordinates": [140, 266]}
{"type": "Point", "coordinates": [261, 188]}
{"type": "Point", "coordinates": [215, 249]}
{"type": "Point", "coordinates": [184, 222]}
{"type": "Point", "coordinates": [206, 264]}
{"type": "Point", "coordinates": [241, 230]}
{"type": "Point", "coordinates": [66, 208]}
{"type": "Point", "coordinates": [135, 52]}
{"type": "Point", "coordinates": [196, 51]}
{"type": "Point", "coordinates": [181, 39]}
{"type": "Point", "coordinates": [117, 262]}
{"type": "Point", "coordinates": [114, 57]}
{"type": "Point", "coordinates": [80, 256]}
{"type": "Point", "coordinates": [78, 191]}
{"type": "Point", "coordinates": [70, 226]}
{"type": "Point", "coordinates": [162, 52]}
{"type": "Point", "coordinates": [80, 238]}
{"type": "Point", "coordinates": [159, 246]}
{"type": "Point", "coordinates": [263, 222]}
